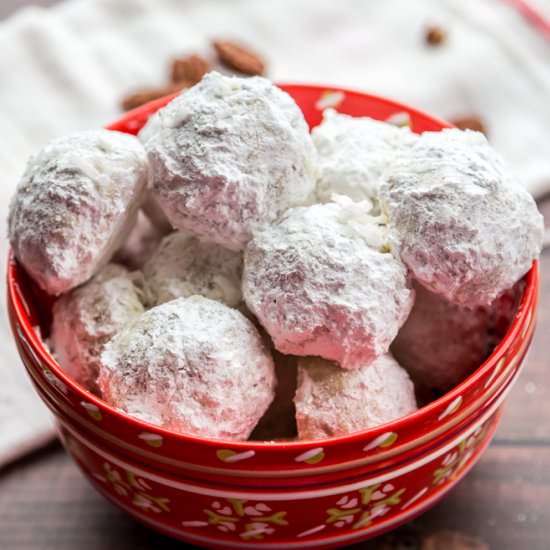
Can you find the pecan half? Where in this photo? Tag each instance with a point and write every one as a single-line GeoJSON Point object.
{"type": "Point", "coordinates": [472, 122]}
{"type": "Point", "coordinates": [435, 36]}
{"type": "Point", "coordinates": [189, 69]}
{"type": "Point", "coordinates": [141, 97]}
{"type": "Point", "coordinates": [239, 58]}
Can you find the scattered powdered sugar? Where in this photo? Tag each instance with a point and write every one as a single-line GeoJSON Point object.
{"type": "Point", "coordinates": [458, 220]}
{"type": "Point", "coordinates": [354, 153]}
{"type": "Point", "coordinates": [192, 365]}
{"type": "Point", "coordinates": [358, 221]}
{"type": "Point", "coordinates": [75, 205]}
{"type": "Point", "coordinates": [183, 266]}
{"type": "Point", "coordinates": [230, 154]}
{"type": "Point", "coordinates": [89, 316]}
{"type": "Point", "coordinates": [319, 287]}
{"type": "Point", "coordinates": [331, 401]}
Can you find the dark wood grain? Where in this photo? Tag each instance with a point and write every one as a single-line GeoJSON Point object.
{"type": "Point", "coordinates": [45, 504]}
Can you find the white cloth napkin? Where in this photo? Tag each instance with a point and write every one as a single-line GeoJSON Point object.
{"type": "Point", "coordinates": [65, 68]}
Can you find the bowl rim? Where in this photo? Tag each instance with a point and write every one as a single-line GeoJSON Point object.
{"type": "Point", "coordinates": [21, 312]}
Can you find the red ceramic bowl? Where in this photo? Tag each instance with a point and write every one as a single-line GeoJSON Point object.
{"type": "Point", "coordinates": [324, 493]}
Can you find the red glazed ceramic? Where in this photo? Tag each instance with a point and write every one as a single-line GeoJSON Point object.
{"type": "Point", "coordinates": [318, 494]}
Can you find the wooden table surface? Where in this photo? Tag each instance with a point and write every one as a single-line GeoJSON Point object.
{"type": "Point", "coordinates": [504, 503]}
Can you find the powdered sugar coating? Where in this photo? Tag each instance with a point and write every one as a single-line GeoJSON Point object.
{"type": "Point", "coordinates": [183, 266]}
{"type": "Point", "coordinates": [141, 243]}
{"type": "Point", "coordinates": [320, 284]}
{"type": "Point", "coordinates": [229, 154]}
{"type": "Point", "coordinates": [462, 225]}
{"type": "Point", "coordinates": [331, 401]}
{"type": "Point", "coordinates": [75, 205]}
{"type": "Point", "coordinates": [354, 153]}
{"type": "Point", "coordinates": [192, 365]}
{"type": "Point", "coordinates": [86, 318]}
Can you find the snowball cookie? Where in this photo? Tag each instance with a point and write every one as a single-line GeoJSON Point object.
{"type": "Point", "coordinates": [75, 206]}
{"type": "Point", "coordinates": [461, 223]}
{"type": "Point", "coordinates": [192, 365]}
{"type": "Point", "coordinates": [354, 153]}
{"type": "Point", "coordinates": [320, 283]}
{"type": "Point", "coordinates": [183, 266]}
{"type": "Point", "coordinates": [228, 155]}
{"type": "Point", "coordinates": [140, 245]}
{"type": "Point", "coordinates": [441, 343]}
{"type": "Point", "coordinates": [331, 401]}
{"type": "Point", "coordinates": [89, 316]}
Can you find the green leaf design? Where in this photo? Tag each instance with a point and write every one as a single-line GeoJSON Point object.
{"type": "Point", "coordinates": [224, 454]}
{"type": "Point", "coordinates": [389, 441]}
{"type": "Point", "coordinates": [153, 440]}
{"type": "Point", "coordinates": [315, 459]}
{"type": "Point", "coordinates": [92, 410]}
